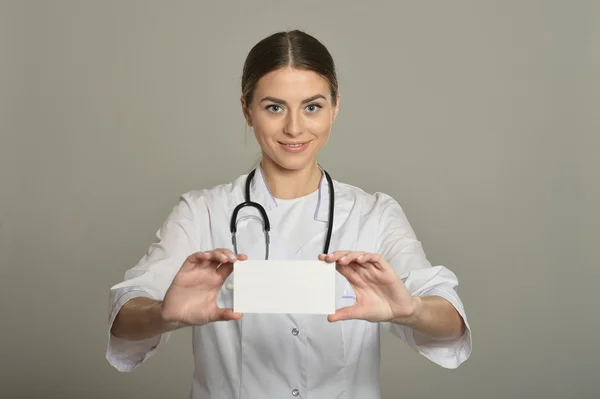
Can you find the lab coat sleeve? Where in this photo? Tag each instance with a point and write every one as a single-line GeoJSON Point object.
{"type": "Point", "coordinates": [398, 244]}
{"type": "Point", "coordinates": [151, 277]}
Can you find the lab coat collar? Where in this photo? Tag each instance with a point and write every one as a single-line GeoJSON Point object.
{"type": "Point", "coordinates": [259, 192]}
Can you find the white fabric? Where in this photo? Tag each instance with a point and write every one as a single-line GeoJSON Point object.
{"type": "Point", "coordinates": [259, 356]}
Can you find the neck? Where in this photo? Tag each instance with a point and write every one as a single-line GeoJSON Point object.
{"type": "Point", "coordinates": [290, 184]}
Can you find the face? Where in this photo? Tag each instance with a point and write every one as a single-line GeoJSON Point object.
{"type": "Point", "coordinates": [291, 112]}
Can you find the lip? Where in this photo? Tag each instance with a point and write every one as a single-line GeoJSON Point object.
{"type": "Point", "coordinates": [293, 147]}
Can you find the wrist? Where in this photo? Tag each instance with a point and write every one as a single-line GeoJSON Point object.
{"type": "Point", "coordinates": [411, 317]}
{"type": "Point", "coordinates": [166, 324]}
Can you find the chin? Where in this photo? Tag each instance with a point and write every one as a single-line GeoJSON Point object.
{"type": "Point", "coordinates": [293, 163]}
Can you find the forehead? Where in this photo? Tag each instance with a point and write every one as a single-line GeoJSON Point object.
{"type": "Point", "coordinates": [292, 84]}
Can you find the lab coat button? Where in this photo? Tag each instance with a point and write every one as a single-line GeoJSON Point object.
{"type": "Point", "coordinates": [295, 392]}
{"type": "Point", "coordinates": [229, 286]}
{"type": "Point", "coordinates": [295, 331]}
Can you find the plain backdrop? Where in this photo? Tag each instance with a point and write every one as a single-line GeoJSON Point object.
{"type": "Point", "coordinates": [479, 117]}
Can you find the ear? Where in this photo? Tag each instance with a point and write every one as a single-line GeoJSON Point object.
{"type": "Point", "coordinates": [246, 111]}
{"type": "Point", "coordinates": [336, 109]}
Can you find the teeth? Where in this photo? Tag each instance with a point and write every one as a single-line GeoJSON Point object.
{"type": "Point", "coordinates": [293, 145]}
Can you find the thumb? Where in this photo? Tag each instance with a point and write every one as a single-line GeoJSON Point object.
{"type": "Point", "coordinates": [346, 313]}
{"type": "Point", "coordinates": [228, 314]}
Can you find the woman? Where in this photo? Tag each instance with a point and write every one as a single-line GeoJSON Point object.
{"type": "Point", "coordinates": [290, 99]}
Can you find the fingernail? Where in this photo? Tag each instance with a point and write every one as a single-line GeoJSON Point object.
{"type": "Point", "coordinates": [232, 257]}
{"type": "Point", "coordinates": [343, 257]}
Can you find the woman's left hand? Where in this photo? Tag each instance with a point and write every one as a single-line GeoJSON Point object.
{"type": "Point", "coordinates": [381, 295]}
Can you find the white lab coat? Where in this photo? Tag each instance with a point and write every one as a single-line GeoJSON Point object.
{"type": "Point", "coordinates": [278, 356]}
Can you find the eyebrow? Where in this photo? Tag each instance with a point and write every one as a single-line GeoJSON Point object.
{"type": "Point", "coordinates": [280, 101]}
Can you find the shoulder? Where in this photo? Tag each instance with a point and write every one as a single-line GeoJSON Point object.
{"type": "Point", "coordinates": [378, 213]}
{"type": "Point", "coordinates": [201, 199]}
{"type": "Point", "coordinates": [377, 202]}
{"type": "Point", "coordinates": [217, 191]}
{"type": "Point", "coordinates": [382, 216]}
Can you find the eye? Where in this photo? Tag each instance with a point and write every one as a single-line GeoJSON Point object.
{"type": "Point", "coordinates": [273, 108]}
{"type": "Point", "coordinates": [313, 108]}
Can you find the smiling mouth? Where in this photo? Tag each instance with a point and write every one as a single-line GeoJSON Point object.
{"type": "Point", "coordinates": [293, 145]}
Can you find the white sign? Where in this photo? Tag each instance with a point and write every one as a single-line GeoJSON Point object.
{"type": "Point", "coordinates": [284, 286]}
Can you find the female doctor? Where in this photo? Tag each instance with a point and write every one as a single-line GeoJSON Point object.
{"type": "Point", "coordinates": [290, 99]}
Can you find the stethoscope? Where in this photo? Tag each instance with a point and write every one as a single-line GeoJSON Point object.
{"type": "Point", "coordinates": [265, 218]}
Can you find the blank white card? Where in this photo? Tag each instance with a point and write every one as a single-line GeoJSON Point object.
{"type": "Point", "coordinates": [284, 286]}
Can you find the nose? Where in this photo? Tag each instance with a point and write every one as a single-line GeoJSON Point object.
{"type": "Point", "coordinates": [294, 125]}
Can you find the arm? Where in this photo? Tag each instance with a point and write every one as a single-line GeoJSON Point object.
{"type": "Point", "coordinates": [398, 288]}
{"type": "Point", "coordinates": [382, 296]}
{"type": "Point", "coordinates": [141, 318]}
{"type": "Point", "coordinates": [438, 328]}
{"type": "Point", "coordinates": [433, 319]}
{"type": "Point", "coordinates": [135, 330]}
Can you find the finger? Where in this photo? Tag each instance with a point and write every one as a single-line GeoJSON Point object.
{"type": "Point", "coordinates": [368, 260]}
{"type": "Point", "coordinates": [345, 313]}
{"type": "Point", "coordinates": [350, 273]}
{"type": "Point", "coordinates": [199, 257]}
{"type": "Point", "coordinates": [350, 257]}
{"type": "Point", "coordinates": [205, 258]}
{"type": "Point", "coordinates": [218, 256]}
{"type": "Point", "coordinates": [224, 255]}
{"type": "Point", "coordinates": [224, 270]}
{"type": "Point", "coordinates": [333, 257]}
{"type": "Point", "coordinates": [227, 314]}
{"type": "Point", "coordinates": [229, 253]}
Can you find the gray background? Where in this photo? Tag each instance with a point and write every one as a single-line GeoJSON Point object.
{"type": "Point", "coordinates": [480, 117]}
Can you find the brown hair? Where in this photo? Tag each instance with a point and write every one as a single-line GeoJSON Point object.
{"type": "Point", "coordinates": [295, 49]}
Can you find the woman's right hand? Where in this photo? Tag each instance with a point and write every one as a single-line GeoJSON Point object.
{"type": "Point", "coordinates": [191, 300]}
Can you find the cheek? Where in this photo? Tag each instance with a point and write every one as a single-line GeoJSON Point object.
{"type": "Point", "coordinates": [319, 126]}
{"type": "Point", "coordinates": [266, 127]}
